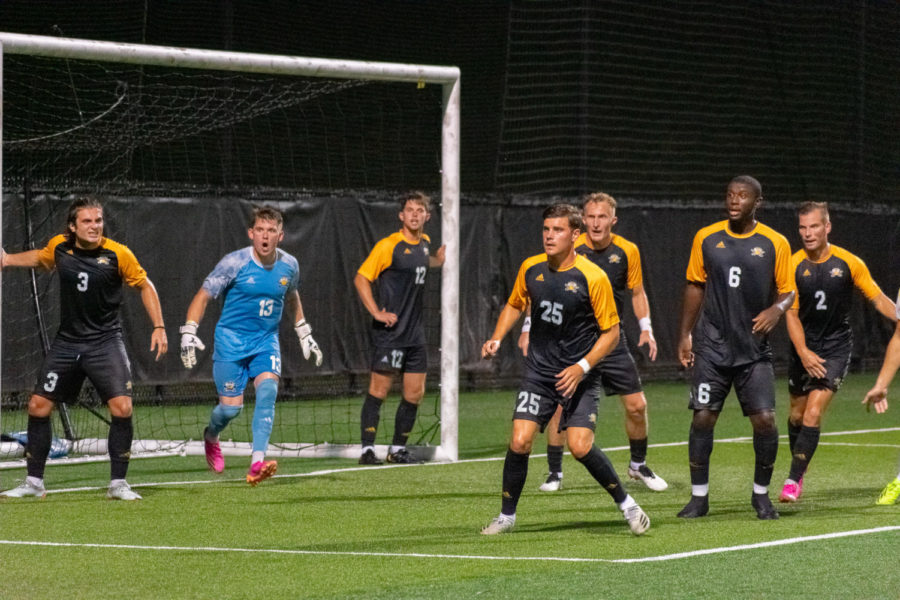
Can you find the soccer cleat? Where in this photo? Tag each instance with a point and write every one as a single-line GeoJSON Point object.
{"type": "Point", "coordinates": [499, 525]}
{"type": "Point", "coordinates": [790, 492]}
{"type": "Point", "coordinates": [637, 519]}
{"type": "Point", "coordinates": [889, 494]}
{"type": "Point", "coordinates": [214, 457]}
{"type": "Point", "coordinates": [368, 458]}
{"type": "Point", "coordinates": [650, 479]}
{"type": "Point", "coordinates": [553, 483]}
{"type": "Point", "coordinates": [24, 490]}
{"type": "Point", "coordinates": [121, 491]}
{"type": "Point", "coordinates": [260, 471]}
{"type": "Point", "coordinates": [401, 457]}
{"type": "Point", "coordinates": [698, 506]}
{"type": "Point", "coordinates": [764, 509]}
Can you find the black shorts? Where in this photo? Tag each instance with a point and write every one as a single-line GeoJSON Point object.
{"type": "Point", "coordinates": [619, 373]}
{"type": "Point", "coordinates": [408, 359]}
{"type": "Point", "coordinates": [537, 400]}
{"type": "Point", "coordinates": [104, 363]}
{"type": "Point", "coordinates": [837, 363]}
{"type": "Point", "coordinates": [754, 385]}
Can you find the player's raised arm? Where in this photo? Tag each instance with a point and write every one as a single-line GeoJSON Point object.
{"type": "Point", "coordinates": [28, 259]}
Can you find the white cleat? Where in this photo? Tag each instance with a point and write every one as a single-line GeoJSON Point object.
{"type": "Point", "coordinates": [553, 483]}
{"type": "Point", "coordinates": [25, 490]}
{"type": "Point", "coordinates": [650, 479]}
{"type": "Point", "coordinates": [499, 525]}
{"type": "Point", "coordinates": [121, 491]}
{"type": "Point", "coordinates": [637, 519]}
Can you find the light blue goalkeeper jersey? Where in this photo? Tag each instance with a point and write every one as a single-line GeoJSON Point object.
{"type": "Point", "coordinates": [254, 300]}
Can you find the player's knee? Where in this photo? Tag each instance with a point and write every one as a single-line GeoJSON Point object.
{"type": "Point", "coordinates": [38, 406]}
{"type": "Point", "coordinates": [580, 448]}
{"type": "Point", "coordinates": [120, 407]}
{"type": "Point", "coordinates": [812, 417]}
{"type": "Point", "coordinates": [704, 420]}
{"type": "Point", "coordinates": [763, 423]}
{"type": "Point", "coordinates": [521, 444]}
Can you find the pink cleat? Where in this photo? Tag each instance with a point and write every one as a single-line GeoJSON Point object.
{"type": "Point", "coordinates": [790, 492]}
{"type": "Point", "coordinates": [260, 471]}
{"type": "Point", "coordinates": [214, 457]}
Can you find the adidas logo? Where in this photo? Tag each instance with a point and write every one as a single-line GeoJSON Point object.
{"type": "Point", "coordinates": [720, 245]}
{"type": "Point", "coordinates": [539, 277]}
{"type": "Point", "coordinates": [806, 273]}
{"type": "Point", "coordinates": [407, 251]}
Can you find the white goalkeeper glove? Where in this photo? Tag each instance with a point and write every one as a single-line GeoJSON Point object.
{"type": "Point", "coordinates": [189, 344]}
{"type": "Point", "coordinates": [307, 343]}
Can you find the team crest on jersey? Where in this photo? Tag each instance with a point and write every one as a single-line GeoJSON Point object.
{"type": "Point", "coordinates": [720, 245]}
{"type": "Point", "coordinates": [102, 260]}
{"type": "Point", "coordinates": [806, 273]}
{"type": "Point", "coordinates": [593, 418]}
{"type": "Point", "coordinates": [615, 258]}
{"type": "Point", "coordinates": [539, 277]}
{"type": "Point", "coordinates": [128, 385]}
{"type": "Point", "coordinates": [836, 272]}
{"type": "Point", "coordinates": [571, 286]}
{"type": "Point", "coordinates": [229, 386]}
{"type": "Point", "coordinates": [757, 251]}
{"type": "Point", "coordinates": [283, 281]}
{"type": "Point", "coordinates": [424, 250]}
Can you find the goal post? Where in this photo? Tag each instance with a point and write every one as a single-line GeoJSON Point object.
{"type": "Point", "coordinates": [265, 64]}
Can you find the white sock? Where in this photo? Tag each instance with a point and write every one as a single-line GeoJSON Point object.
{"type": "Point", "coordinates": [786, 482]}
{"type": "Point", "coordinates": [760, 489]}
{"type": "Point", "coordinates": [394, 448]}
{"type": "Point", "coordinates": [365, 448]}
{"type": "Point", "coordinates": [627, 503]}
{"type": "Point", "coordinates": [35, 481]}
{"type": "Point", "coordinates": [635, 466]}
{"type": "Point", "coordinates": [115, 482]}
{"type": "Point", "coordinates": [700, 490]}
{"type": "Point", "coordinates": [257, 456]}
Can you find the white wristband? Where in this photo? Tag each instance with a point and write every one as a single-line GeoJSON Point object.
{"type": "Point", "coordinates": [644, 322]}
{"type": "Point", "coordinates": [585, 365]}
{"type": "Point", "coordinates": [526, 325]}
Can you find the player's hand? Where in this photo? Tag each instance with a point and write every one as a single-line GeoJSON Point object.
{"type": "Point", "coordinates": [388, 318]}
{"type": "Point", "coordinates": [524, 338]}
{"type": "Point", "coordinates": [159, 342]}
{"type": "Point", "coordinates": [813, 363]}
{"type": "Point", "coordinates": [489, 349]}
{"type": "Point", "coordinates": [190, 343]}
{"type": "Point", "coordinates": [876, 397]}
{"type": "Point", "coordinates": [685, 352]}
{"type": "Point", "coordinates": [3, 256]}
{"type": "Point", "coordinates": [648, 339]}
{"type": "Point", "coordinates": [766, 321]}
{"type": "Point", "coordinates": [568, 379]}
{"type": "Point", "coordinates": [439, 257]}
{"type": "Point", "coordinates": [307, 343]}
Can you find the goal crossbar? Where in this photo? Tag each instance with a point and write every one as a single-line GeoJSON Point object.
{"type": "Point", "coordinates": [447, 77]}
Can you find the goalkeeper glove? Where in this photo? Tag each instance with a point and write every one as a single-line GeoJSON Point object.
{"type": "Point", "coordinates": [189, 344]}
{"type": "Point", "coordinates": [307, 343]}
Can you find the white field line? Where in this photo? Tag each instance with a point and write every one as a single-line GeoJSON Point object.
{"type": "Point", "coordinates": [473, 460]}
{"type": "Point", "coordinates": [660, 558]}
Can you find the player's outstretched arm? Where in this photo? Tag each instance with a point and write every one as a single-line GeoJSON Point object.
{"type": "Point", "coordinates": [509, 316]}
{"type": "Point", "coordinates": [641, 306]}
{"type": "Point", "coordinates": [190, 343]}
{"type": "Point", "coordinates": [27, 259]}
{"type": "Point", "coordinates": [877, 396]}
{"type": "Point", "coordinates": [766, 321]}
{"type": "Point", "coordinates": [690, 310]}
{"type": "Point", "coordinates": [150, 298]}
{"type": "Point", "coordinates": [303, 329]}
{"type": "Point", "coordinates": [886, 307]}
{"type": "Point", "coordinates": [364, 291]}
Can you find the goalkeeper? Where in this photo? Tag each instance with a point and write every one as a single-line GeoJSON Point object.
{"type": "Point", "coordinates": [256, 282]}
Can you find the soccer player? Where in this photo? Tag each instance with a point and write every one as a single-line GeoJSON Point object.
{"type": "Point", "coordinates": [877, 397]}
{"type": "Point", "coordinates": [819, 326]}
{"type": "Point", "coordinates": [397, 265]}
{"type": "Point", "coordinates": [575, 325]}
{"type": "Point", "coordinates": [257, 282]}
{"type": "Point", "coordinates": [736, 268]}
{"type": "Point", "coordinates": [621, 261]}
{"type": "Point", "coordinates": [88, 344]}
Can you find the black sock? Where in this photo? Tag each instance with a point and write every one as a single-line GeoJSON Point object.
{"type": "Point", "coordinates": [803, 451]}
{"type": "Point", "coordinates": [765, 445]}
{"type": "Point", "coordinates": [554, 458]}
{"type": "Point", "coordinates": [793, 432]}
{"type": "Point", "coordinates": [601, 469]}
{"type": "Point", "coordinates": [700, 446]}
{"type": "Point", "coordinates": [404, 421]}
{"type": "Point", "coordinates": [371, 413]}
{"type": "Point", "coordinates": [37, 448]}
{"type": "Point", "coordinates": [515, 471]}
{"type": "Point", "coordinates": [121, 432]}
{"type": "Point", "coordinates": [638, 450]}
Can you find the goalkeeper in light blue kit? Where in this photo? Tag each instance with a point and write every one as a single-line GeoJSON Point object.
{"type": "Point", "coordinates": [257, 282]}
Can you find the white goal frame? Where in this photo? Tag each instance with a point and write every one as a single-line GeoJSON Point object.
{"type": "Point", "coordinates": [447, 77]}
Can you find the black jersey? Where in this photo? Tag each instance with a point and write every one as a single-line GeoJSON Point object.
{"type": "Point", "coordinates": [742, 275]}
{"type": "Point", "coordinates": [90, 285]}
{"type": "Point", "coordinates": [621, 261]}
{"type": "Point", "coordinates": [398, 268]}
{"type": "Point", "coordinates": [825, 295]}
{"type": "Point", "coordinates": [569, 309]}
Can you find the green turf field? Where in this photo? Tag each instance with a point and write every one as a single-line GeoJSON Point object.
{"type": "Point", "coordinates": [331, 529]}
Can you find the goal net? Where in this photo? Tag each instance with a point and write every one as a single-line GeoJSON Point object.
{"type": "Point", "coordinates": [180, 144]}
